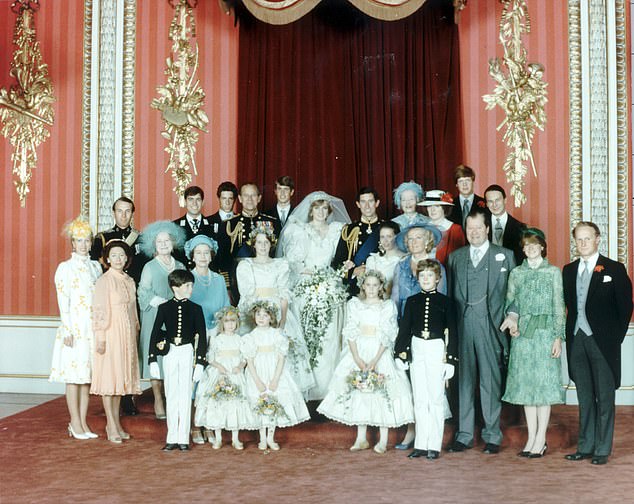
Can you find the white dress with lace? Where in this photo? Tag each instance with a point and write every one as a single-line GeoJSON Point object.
{"type": "Point", "coordinates": [265, 345]}
{"type": "Point", "coordinates": [306, 250]}
{"type": "Point", "coordinates": [223, 413]}
{"type": "Point", "coordinates": [370, 326]}
{"type": "Point", "coordinates": [270, 281]}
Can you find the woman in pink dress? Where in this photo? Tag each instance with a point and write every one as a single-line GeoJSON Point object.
{"type": "Point", "coordinates": [437, 206]}
{"type": "Point", "coordinates": [116, 328]}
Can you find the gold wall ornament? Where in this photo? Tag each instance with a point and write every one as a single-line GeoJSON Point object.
{"type": "Point", "coordinates": [26, 108]}
{"type": "Point", "coordinates": [520, 92]}
{"type": "Point", "coordinates": [181, 99]}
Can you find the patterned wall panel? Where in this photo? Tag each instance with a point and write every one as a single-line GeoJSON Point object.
{"type": "Point", "coordinates": [547, 205]}
{"type": "Point", "coordinates": [31, 246]}
{"type": "Point", "coordinates": [216, 150]}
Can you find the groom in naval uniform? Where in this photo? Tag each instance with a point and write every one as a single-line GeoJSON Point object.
{"type": "Point", "coordinates": [598, 297]}
{"type": "Point", "coordinates": [478, 276]}
{"type": "Point", "coordinates": [358, 239]}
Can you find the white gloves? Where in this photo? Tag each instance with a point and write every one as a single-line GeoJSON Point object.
{"type": "Point", "coordinates": [157, 300]}
{"type": "Point", "coordinates": [198, 372]}
{"type": "Point", "coordinates": [155, 372]}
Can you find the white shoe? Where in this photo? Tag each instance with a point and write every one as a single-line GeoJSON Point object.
{"type": "Point", "coordinates": [380, 449]}
{"type": "Point", "coordinates": [77, 435]}
{"type": "Point", "coordinates": [272, 445]}
{"type": "Point", "coordinates": [360, 445]}
{"type": "Point", "coordinates": [91, 435]}
{"type": "Point", "coordinates": [262, 445]}
{"type": "Point", "coordinates": [237, 445]}
{"type": "Point", "coordinates": [217, 444]}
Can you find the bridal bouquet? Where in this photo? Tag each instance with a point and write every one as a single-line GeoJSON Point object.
{"type": "Point", "coordinates": [269, 406]}
{"type": "Point", "coordinates": [365, 382]}
{"type": "Point", "coordinates": [225, 390]}
{"type": "Point", "coordinates": [323, 292]}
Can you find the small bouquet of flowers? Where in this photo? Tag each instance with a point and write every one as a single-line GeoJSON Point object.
{"type": "Point", "coordinates": [270, 407]}
{"type": "Point", "coordinates": [323, 291]}
{"type": "Point", "coordinates": [225, 390]}
{"type": "Point", "coordinates": [365, 382]}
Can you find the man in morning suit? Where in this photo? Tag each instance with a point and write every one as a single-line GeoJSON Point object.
{"type": "Point", "coordinates": [227, 193]}
{"type": "Point", "coordinates": [358, 239]}
{"type": "Point", "coordinates": [506, 230]}
{"type": "Point", "coordinates": [284, 190]}
{"type": "Point", "coordinates": [193, 222]}
{"type": "Point", "coordinates": [122, 211]}
{"type": "Point", "coordinates": [478, 276]}
{"type": "Point", "coordinates": [598, 297]}
{"type": "Point", "coordinates": [465, 200]}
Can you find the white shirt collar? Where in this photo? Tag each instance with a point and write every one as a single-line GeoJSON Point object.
{"type": "Point", "coordinates": [225, 215]}
{"type": "Point", "coordinates": [592, 262]}
{"type": "Point", "coordinates": [503, 220]}
{"type": "Point", "coordinates": [470, 198]}
{"type": "Point", "coordinates": [482, 248]}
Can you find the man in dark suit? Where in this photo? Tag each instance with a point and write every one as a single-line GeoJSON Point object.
{"type": "Point", "coordinates": [466, 199]}
{"type": "Point", "coordinates": [598, 297]}
{"type": "Point", "coordinates": [227, 193]}
{"type": "Point", "coordinates": [478, 275]}
{"type": "Point", "coordinates": [284, 190]}
{"type": "Point", "coordinates": [505, 230]}
{"type": "Point", "coordinates": [193, 222]}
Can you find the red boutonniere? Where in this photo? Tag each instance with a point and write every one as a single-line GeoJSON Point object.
{"type": "Point", "coordinates": [598, 269]}
{"type": "Point", "coordinates": [482, 204]}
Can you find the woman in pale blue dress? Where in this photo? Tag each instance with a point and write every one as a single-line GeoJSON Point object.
{"type": "Point", "coordinates": [158, 240]}
{"type": "Point", "coordinates": [210, 292]}
{"type": "Point", "coordinates": [406, 197]}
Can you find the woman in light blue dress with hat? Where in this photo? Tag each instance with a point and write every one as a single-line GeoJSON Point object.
{"type": "Point", "coordinates": [406, 197]}
{"type": "Point", "coordinates": [158, 240]}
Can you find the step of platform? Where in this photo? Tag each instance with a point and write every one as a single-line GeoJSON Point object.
{"type": "Point", "coordinates": [319, 432]}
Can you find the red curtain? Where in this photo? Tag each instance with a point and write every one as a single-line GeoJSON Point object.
{"type": "Point", "coordinates": [338, 100]}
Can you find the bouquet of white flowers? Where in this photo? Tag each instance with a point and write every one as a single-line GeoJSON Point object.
{"type": "Point", "coordinates": [323, 291]}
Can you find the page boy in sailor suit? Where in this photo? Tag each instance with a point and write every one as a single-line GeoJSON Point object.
{"type": "Point", "coordinates": [427, 340]}
{"type": "Point", "coordinates": [183, 340]}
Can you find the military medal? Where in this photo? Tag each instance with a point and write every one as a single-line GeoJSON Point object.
{"type": "Point", "coordinates": [425, 334]}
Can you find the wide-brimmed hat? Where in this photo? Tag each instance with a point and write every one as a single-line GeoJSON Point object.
{"type": "Point", "coordinates": [190, 245]}
{"type": "Point", "coordinates": [400, 238]}
{"type": "Point", "coordinates": [437, 197]}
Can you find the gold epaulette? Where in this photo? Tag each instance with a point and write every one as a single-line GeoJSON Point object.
{"type": "Point", "coordinates": [352, 239]}
{"type": "Point", "coordinates": [237, 232]}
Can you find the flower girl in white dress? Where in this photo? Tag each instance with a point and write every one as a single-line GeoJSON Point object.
{"type": "Point", "coordinates": [367, 387]}
{"type": "Point", "coordinates": [274, 396]}
{"type": "Point", "coordinates": [221, 401]}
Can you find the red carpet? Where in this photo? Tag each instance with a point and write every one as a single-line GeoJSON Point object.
{"type": "Point", "coordinates": [41, 464]}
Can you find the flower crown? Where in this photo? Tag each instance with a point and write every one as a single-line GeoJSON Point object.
{"type": "Point", "coordinates": [78, 228]}
{"type": "Point", "coordinates": [260, 228]}
{"type": "Point", "coordinates": [371, 273]}
{"type": "Point", "coordinates": [265, 305]}
{"type": "Point", "coordinates": [227, 310]}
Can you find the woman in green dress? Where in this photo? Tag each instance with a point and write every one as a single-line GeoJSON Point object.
{"type": "Point", "coordinates": [535, 318]}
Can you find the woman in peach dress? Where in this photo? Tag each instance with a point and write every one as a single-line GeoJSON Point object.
{"type": "Point", "coordinates": [116, 328]}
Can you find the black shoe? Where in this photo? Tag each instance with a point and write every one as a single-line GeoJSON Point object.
{"type": "Point", "coordinates": [600, 459]}
{"type": "Point", "coordinates": [127, 406]}
{"type": "Point", "coordinates": [539, 454]}
{"type": "Point", "coordinates": [578, 456]}
{"type": "Point", "coordinates": [404, 446]}
{"type": "Point", "coordinates": [491, 449]}
{"type": "Point", "coordinates": [524, 453]}
{"type": "Point", "coordinates": [457, 447]}
{"type": "Point", "coordinates": [170, 447]}
{"type": "Point", "coordinates": [433, 455]}
{"type": "Point", "coordinates": [183, 447]}
{"type": "Point", "coordinates": [417, 453]}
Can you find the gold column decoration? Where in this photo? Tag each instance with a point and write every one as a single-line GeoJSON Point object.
{"type": "Point", "coordinates": [520, 92]}
{"type": "Point", "coordinates": [26, 108]}
{"type": "Point", "coordinates": [182, 98]}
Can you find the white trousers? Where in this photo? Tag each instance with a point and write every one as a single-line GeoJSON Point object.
{"type": "Point", "coordinates": [178, 370]}
{"type": "Point", "coordinates": [426, 373]}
